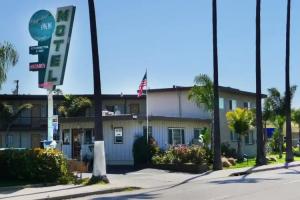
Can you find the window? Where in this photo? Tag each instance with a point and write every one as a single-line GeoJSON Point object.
{"type": "Point", "coordinates": [249, 138]}
{"type": "Point", "coordinates": [118, 135]}
{"type": "Point", "coordinates": [88, 136]}
{"type": "Point", "coordinates": [176, 136]}
{"type": "Point", "coordinates": [221, 103]}
{"type": "Point", "coordinates": [247, 105]}
{"type": "Point", "coordinates": [233, 136]}
{"type": "Point", "coordinates": [9, 141]}
{"type": "Point", "coordinates": [66, 136]}
{"type": "Point", "coordinates": [110, 108]}
{"type": "Point", "coordinates": [26, 116]}
{"type": "Point", "coordinates": [232, 104]}
{"type": "Point", "coordinates": [149, 131]}
{"type": "Point", "coordinates": [134, 108]}
{"type": "Point", "coordinates": [43, 110]}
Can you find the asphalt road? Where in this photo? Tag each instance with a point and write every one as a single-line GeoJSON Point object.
{"type": "Point", "coordinates": [277, 184]}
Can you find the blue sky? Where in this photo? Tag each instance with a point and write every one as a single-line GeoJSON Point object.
{"type": "Point", "coordinates": [172, 38]}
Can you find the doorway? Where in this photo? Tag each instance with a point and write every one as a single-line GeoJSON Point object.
{"type": "Point", "coordinates": [76, 145]}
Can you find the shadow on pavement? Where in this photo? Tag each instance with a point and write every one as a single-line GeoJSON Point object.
{"type": "Point", "coordinates": [132, 196]}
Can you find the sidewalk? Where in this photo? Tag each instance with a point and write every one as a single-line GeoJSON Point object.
{"type": "Point", "coordinates": [60, 191]}
{"type": "Point", "coordinates": [122, 181]}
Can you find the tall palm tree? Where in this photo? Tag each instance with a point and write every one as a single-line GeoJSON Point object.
{"type": "Point", "coordinates": [8, 57]}
{"type": "Point", "coordinates": [217, 164]}
{"type": "Point", "coordinates": [202, 94]}
{"type": "Point", "coordinates": [260, 155]}
{"type": "Point", "coordinates": [289, 151]}
{"type": "Point", "coordinates": [296, 120]}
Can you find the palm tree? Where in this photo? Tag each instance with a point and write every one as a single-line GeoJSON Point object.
{"type": "Point", "coordinates": [289, 151]}
{"type": "Point", "coordinates": [202, 94]}
{"type": "Point", "coordinates": [260, 156]}
{"type": "Point", "coordinates": [239, 122]}
{"type": "Point", "coordinates": [8, 57]}
{"type": "Point", "coordinates": [296, 120]}
{"type": "Point", "coordinates": [217, 163]}
{"type": "Point", "coordinates": [73, 106]}
{"type": "Point", "coordinates": [8, 115]}
{"type": "Point", "coordinates": [278, 105]}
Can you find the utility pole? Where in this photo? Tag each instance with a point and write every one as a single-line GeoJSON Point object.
{"type": "Point", "coordinates": [99, 168]}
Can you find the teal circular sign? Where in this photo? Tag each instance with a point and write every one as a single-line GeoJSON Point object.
{"type": "Point", "coordinates": [41, 25]}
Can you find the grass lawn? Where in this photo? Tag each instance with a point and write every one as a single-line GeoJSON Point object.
{"type": "Point", "coordinates": [251, 162]}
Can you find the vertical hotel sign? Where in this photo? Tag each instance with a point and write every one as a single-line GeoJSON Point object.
{"type": "Point", "coordinates": [53, 36]}
{"type": "Point", "coordinates": [59, 46]}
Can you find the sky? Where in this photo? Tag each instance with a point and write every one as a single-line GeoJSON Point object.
{"type": "Point", "coordinates": [171, 38]}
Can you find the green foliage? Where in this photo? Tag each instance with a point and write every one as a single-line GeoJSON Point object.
{"type": "Point", "coordinates": [206, 135]}
{"type": "Point", "coordinates": [296, 117]}
{"type": "Point", "coordinates": [143, 152]}
{"type": "Point", "coordinates": [202, 92]}
{"type": "Point", "coordinates": [228, 151]}
{"type": "Point", "coordinates": [37, 165]}
{"type": "Point", "coordinates": [8, 57]}
{"type": "Point", "coordinates": [183, 154]}
{"type": "Point", "coordinates": [239, 120]}
{"type": "Point", "coordinates": [74, 106]}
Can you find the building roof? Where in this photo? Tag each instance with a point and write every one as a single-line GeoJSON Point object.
{"type": "Point", "coordinates": [221, 89]}
{"type": "Point", "coordinates": [60, 97]}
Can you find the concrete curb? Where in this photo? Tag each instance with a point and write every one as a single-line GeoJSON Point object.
{"type": "Point", "coordinates": [250, 171]}
{"type": "Point", "coordinates": [25, 186]}
{"type": "Point", "coordinates": [71, 196]}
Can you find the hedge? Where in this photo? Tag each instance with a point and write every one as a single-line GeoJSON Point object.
{"type": "Point", "coordinates": [34, 165]}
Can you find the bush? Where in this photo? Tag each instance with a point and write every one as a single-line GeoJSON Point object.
{"type": "Point", "coordinates": [182, 154]}
{"type": "Point", "coordinates": [228, 151]}
{"type": "Point", "coordinates": [143, 152]}
{"type": "Point", "coordinates": [36, 165]}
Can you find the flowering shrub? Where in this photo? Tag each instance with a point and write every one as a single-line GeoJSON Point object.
{"type": "Point", "coordinates": [181, 154]}
{"type": "Point", "coordinates": [37, 165]}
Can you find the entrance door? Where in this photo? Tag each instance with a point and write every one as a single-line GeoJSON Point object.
{"type": "Point", "coordinates": [75, 144]}
{"type": "Point", "coordinates": [35, 140]}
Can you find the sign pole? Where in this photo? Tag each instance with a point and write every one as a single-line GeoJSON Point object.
{"type": "Point", "coordinates": [50, 115]}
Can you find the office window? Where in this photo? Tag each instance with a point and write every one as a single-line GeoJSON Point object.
{"type": "Point", "coordinates": [197, 133]}
{"type": "Point", "coordinates": [176, 136]}
{"type": "Point", "coordinates": [134, 108]}
{"type": "Point", "coordinates": [149, 131]}
{"type": "Point", "coordinates": [221, 103]}
{"type": "Point", "coordinates": [66, 136]}
{"type": "Point", "coordinates": [43, 110]}
{"type": "Point", "coordinates": [232, 104]}
{"type": "Point", "coordinates": [118, 135]}
{"type": "Point", "coordinates": [249, 138]}
{"type": "Point", "coordinates": [110, 108]}
{"type": "Point", "coordinates": [233, 136]}
{"type": "Point", "coordinates": [88, 136]}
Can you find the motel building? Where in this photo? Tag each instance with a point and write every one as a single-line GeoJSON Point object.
{"type": "Point", "coordinates": [173, 119]}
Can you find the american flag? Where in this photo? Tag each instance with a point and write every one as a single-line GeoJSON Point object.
{"type": "Point", "coordinates": [142, 85]}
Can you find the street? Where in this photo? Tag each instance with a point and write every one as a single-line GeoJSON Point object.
{"type": "Point", "coordinates": [276, 184]}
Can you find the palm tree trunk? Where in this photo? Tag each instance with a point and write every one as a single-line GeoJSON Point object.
{"type": "Point", "coordinates": [217, 164]}
{"type": "Point", "coordinates": [239, 148]}
{"type": "Point", "coordinates": [260, 156]}
{"type": "Point", "coordinates": [289, 152]}
{"type": "Point", "coordinates": [280, 142]}
{"type": "Point", "coordinates": [212, 133]}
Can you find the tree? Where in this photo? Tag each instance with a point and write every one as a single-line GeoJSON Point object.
{"type": "Point", "coordinates": [8, 57]}
{"type": "Point", "coordinates": [217, 163]}
{"type": "Point", "coordinates": [8, 115]}
{"type": "Point", "coordinates": [202, 94]}
{"type": "Point", "coordinates": [277, 105]}
{"type": "Point", "coordinates": [289, 152]}
{"type": "Point", "coordinates": [296, 120]}
{"type": "Point", "coordinates": [57, 91]}
{"type": "Point", "coordinates": [74, 106]}
{"type": "Point", "coordinates": [260, 155]}
{"type": "Point", "coordinates": [239, 122]}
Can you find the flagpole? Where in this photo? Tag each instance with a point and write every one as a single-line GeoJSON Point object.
{"type": "Point", "coordinates": [147, 106]}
